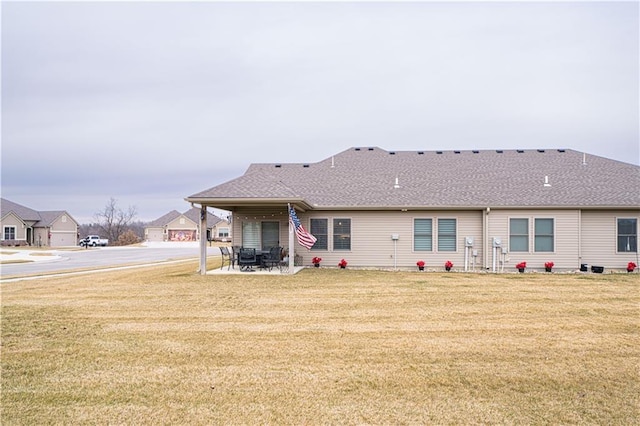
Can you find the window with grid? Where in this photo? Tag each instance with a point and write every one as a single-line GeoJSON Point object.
{"type": "Point", "coordinates": [447, 235]}
{"type": "Point", "coordinates": [422, 235]}
{"type": "Point", "coordinates": [342, 234]}
{"type": "Point", "coordinates": [519, 235]}
{"type": "Point", "coordinates": [627, 235]}
{"type": "Point", "coordinates": [319, 228]}
{"type": "Point", "coordinates": [544, 238]}
{"type": "Point", "coordinates": [9, 232]}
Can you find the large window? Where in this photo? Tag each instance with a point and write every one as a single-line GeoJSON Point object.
{"type": "Point", "coordinates": [260, 235]}
{"type": "Point", "coordinates": [270, 235]}
{"type": "Point", "coordinates": [627, 235]}
{"type": "Point", "coordinates": [9, 232]}
{"type": "Point", "coordinates": [422, 235]}
{"type": "Point", "coordinates": [342, 234]}
{"type": "Point", "coordinates": [543, 235]}
{"type": "Point", "coordinates": [446, 235]}
{"type": "Point", "coordinates": [319, 229]}
{"type": "Point", "coordinates": [519, 235]}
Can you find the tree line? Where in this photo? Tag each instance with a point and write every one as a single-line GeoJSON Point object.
{"type": "Point", "coordinates": [118, 225]}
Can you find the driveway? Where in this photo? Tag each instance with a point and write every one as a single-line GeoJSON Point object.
{"type": "Point", "coordinates": [29, 262]}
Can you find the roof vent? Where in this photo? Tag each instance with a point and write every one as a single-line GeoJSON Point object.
{"type": "Point", "coordinates": [456, 152]}
{"type": "Point", "coordinates": [499, 151]}
{"type": "Point", "coordinates": [520, 151]}
{"type": "Point", "coordinates": [475, 151]}
{"type": "Point", "coordinates": [392, 153]}
{"type": "Point", "coordinates": [278, 166]}
{"type": "Point", "coordinates": [306, 166]}
{"type": "Point", "coordinates": [546, 182]}
{"type": "Point", "coordinates": [420, 152]}
{"type": "Point", "coordinates": [561, 150]}
{"type": "Point", "coordinates": [357, 149]}
{"type": "Point", "coordinates": [438, 152]}
{"type": "Point", "coordinates": [370, 149]}
{"type": "Point", "coordinates": [541, 150]}
{"type": "Point", "coordinates": [397, 184]}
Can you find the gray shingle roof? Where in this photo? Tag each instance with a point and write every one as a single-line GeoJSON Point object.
{"type": "Point", "coordinates": [193, 214]}
{"type": "Point", "coordinates": [40, 218]}
{"type": "Point", "coordinates": [366, 178]}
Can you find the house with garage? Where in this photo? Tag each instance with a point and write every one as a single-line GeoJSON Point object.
{"type": "Point", "coordinates": [482, 210]}
{"type": "Point", "coordinates": [22, 225]}
{"type": "Point", "coordinates": [175, 226]}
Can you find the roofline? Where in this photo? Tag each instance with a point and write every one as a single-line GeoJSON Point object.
{"type": "Point", "coordinates": [224, 203]}
{"type": "Point", "coordinates": [303, 205]}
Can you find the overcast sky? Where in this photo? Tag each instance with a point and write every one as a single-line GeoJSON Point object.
{"type": "Point", "coordinates": [150, 102]}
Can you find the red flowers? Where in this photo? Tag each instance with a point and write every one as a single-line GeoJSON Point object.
{"type": "Point", "coordinates": [316, 260]}
{"type": "Point", "coordinates": [521, 265]}
{"type": "Point", "coordinates": [420, 263]}
{"type": "Point", "coordinates": [548, 265]}
{"type": "Point", "coordinates": [342, 263]}
{"type": "Point", "coordinates": [448, 264]}
{"type": "Point", "coordinates": [631, 266]}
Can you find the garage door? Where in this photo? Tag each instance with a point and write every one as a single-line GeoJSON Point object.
{"type": "Point", "coordinates": [155, 235]}
{"type": "Point", "coordinates": [62, 239]}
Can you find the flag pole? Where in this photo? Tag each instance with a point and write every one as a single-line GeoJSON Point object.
{"type": "Point", "coordinates": [291, 241]}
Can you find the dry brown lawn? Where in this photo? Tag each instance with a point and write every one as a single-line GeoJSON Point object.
{"type": "Point", "coordinates": [166, 346]}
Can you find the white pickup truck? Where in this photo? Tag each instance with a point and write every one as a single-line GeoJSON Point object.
{"type": "Point", "coordinates": [93, 241]}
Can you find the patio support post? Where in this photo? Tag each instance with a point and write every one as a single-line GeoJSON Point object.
{"type": "Point", "coordinates": [203, 240]}
{"type": "Point", "coordinates": [291, 242]}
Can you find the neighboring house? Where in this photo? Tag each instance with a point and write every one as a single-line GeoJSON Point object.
{"type": "Point", "coordinates": [480, 209]}
{"type": "Point", "coordinates": [24, 226]}
{"type": "Point", "coordinates": [175, 226]}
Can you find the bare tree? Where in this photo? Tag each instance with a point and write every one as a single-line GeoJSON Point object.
{"type": "Point", "coordinates": [114, 221]}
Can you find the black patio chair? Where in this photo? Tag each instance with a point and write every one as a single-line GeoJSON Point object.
{"type": "Point", "coordinates": [271, 259]}
{"type": "Point", "coordinates": [247, 259]}
{"type": "Point", "coordinates": [226, 257]}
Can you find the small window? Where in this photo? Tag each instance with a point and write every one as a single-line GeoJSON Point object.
{"type": "Point", "coordinates": [627, 235]}
{"type": "Point", "coordinates": [519, 235]}
{"type": "Point", "coordinates": [319, 228]}
{"type": "Point", "coordinates": [422, 235]}
{"type": "Point", "coordinates": [223, 232]}
{"type": "Point", "coordinates": [543, 235]}
{"type": "Point", "coordinates": [9, 232]}
{"type": "Point", "coordinates": [447, 235]}
{"type": "Point", "coordinates": [342, 234]}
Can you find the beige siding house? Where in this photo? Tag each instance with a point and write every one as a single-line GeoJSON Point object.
{"type": "Point", "coordinates": [483, 210]}
{"type": "Point", "coordinates": [177, 227]}
{"type": "Point", "coordinates": [24, 226]}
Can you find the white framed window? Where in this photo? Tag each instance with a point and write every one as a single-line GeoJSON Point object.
{"type": "Point", "coordinates": [543, 240]}
{"type": "Point", "coordinates": [447, 234]}
{"type": "Point", "coordinates": [422, 234]}
{"type": "Point", "coordinates": [627, 232]}
{"type": "Point", "coordinates": [9, 233]}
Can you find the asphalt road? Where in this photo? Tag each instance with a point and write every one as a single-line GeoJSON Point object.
{"type": "Point", "coordinates": [102, 257]}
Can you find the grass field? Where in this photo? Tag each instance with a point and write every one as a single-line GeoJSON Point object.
{"type": "Point", "coordinates": [326, 346]}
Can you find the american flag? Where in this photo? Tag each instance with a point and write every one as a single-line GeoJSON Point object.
{"type": "Point", "coordinates": [304, 238]}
